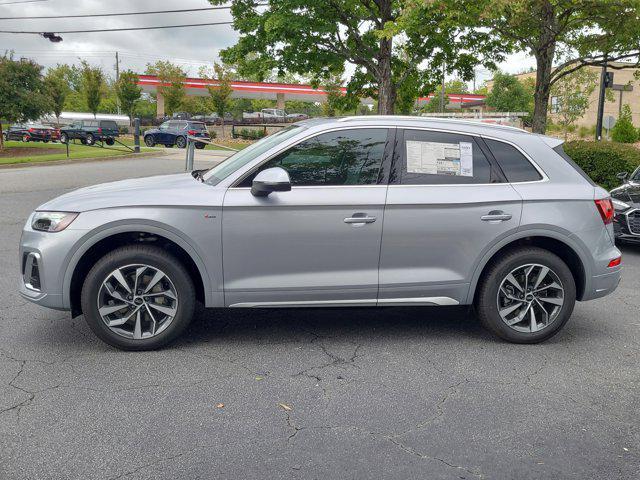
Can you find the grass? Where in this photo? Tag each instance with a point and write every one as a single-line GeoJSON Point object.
{"type": "Point", "coordinates": [33, 152]}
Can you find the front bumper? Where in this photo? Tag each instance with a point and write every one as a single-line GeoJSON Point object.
{"type": "Point", "coordinates": [626, 225]}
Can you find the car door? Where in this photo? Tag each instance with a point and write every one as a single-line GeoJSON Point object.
{"type": "Point", "coordinates": [319, 243]}
{"type": "Point", "coordinates": [448, 203]}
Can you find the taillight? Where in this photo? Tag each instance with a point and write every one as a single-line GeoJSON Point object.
{"type": "Point", "coordinates": [605, 207]}
{"type": "Point", "coordinates": [192, 132]}
{"type": "Point", "coordinates": [99, 130]}
{"type": "Point", "coordinates": [615, 262]}
{"type": "Point", "coordinates": [31, 130]}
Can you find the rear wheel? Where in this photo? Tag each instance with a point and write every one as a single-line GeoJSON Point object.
{"type": "Point", "coordinates": [91, 139]}
{"type": "Point", "coordinates": [526, 296]}
{"type": "Point", "coordinates": [138, 298]}
{"type": "Point", "coordinates": [149, 141]}
{"type": "Point", "coordinates": [181, 142]}
{"type": "Point", "coordinates": [200, 146]}
{"type": "Point", "coordinates": [25, 138]}
{"type": "Point", "coordinates": [110, 141]}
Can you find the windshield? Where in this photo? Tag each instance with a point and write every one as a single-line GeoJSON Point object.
{"type": "Point", "coordinates": [243, 157]}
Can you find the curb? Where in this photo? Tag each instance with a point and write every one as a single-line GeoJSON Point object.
{"type": "Point", "coordinates": [78, 160]}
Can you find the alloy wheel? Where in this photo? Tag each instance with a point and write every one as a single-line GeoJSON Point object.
{"type": "Point", "coordinates": [137, 301]}
{"type": "Point", "coordinates": [530, 298]}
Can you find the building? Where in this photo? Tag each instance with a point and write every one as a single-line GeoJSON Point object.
{"type": "Point", "coordinates": [626, 90]}
{"type": "Point", "coordinates": [267, 90]}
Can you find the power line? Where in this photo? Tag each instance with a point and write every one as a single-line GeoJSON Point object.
{"type": "Point", "coordinates": [113, 14]}
{"type": "Point", "coordinates": [22, 1]}
{"type": "Point", "coordinates": [128, 29]}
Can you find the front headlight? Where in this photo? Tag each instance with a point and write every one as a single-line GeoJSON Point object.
{"type": "Point", "coordinates": [52, 221]}
{"type": "Point", "coordinates": [619, 206]}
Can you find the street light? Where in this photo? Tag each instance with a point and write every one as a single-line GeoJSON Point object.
{"type": "Point", "coordinates": [52, 37]}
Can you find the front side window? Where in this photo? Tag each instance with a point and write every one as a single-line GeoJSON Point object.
{"type": "Point", "coordinates": [439, 158]}
{"type": "Point", "coordinates": [343, 157]}
{"type": "Point", "coordinates": [514, 165]}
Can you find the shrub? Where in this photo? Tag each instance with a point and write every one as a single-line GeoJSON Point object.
{"type": "Point", "coordinates": [603, 160]}
{"type": "Point", "coordinates": [624, 131]}
{"type": "Point", "coordinates": [583, 131]}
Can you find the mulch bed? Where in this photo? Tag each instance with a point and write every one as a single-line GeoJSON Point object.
{"type": "Point", "coordinates": [27, 151]}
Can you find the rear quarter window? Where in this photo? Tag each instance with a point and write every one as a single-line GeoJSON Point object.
{"type": "Point", "coordinates": [110, 124]}
{"type": "Point", "coordinates": [560, 151]}
{"type": "Point", "coordinates": [197, 126]}
{"type": "Point", "coordinates": [515, 166]}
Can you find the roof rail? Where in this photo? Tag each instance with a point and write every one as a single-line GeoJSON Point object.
{"type": "Point", "coordinates": [430, 119]}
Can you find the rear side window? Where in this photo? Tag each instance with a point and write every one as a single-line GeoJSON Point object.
{"type": "Point", "coordinates": [90, 123]}
{"type": "Point", "coordinates": [560, 151]}
{"type": "Point", "coordinates": [514, 165]}
{"type": "Point", "coordinates": [438, 158]}
{"type": "Point", "coordinates": [110, 124]}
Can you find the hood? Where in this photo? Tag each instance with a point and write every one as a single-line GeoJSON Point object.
{"type": "Point", "coordinates": [163, 190]}
{"type": "Point", "coordinates": [629, 193]}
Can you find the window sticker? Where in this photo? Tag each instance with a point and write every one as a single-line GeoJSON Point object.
{"type": "Point", "coordinates": [436, 158]}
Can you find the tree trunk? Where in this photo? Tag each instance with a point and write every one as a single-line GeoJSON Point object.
{"type": "Point", "coordinates": [386, 88]}
{"type": "Point", "coordinates": [544, 53]}
{"type": "Point", "coordinates": [1, 138]}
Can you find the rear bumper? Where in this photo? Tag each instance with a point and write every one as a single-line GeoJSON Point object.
{"type": "Point", "coordinates": [602, 285]}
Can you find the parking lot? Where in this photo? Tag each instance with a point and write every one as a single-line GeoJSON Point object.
{"type": "Point", "coordinates": [314, 394]}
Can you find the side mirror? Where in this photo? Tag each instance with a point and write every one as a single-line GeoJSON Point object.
{"type": "Point", "coordinates": [274, 179]}
{"type": "Point", "coordinates": [622, 176]}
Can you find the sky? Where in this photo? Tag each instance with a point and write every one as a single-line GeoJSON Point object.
{"type": "Point", "coordinates": [189, 47]}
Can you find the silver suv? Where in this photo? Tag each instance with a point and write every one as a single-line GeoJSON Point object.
{"type": "Point", "coordinates": [358, 211]}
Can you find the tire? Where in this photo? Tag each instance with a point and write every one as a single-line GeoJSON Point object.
{"type": "Point", "coordinates": [200, 146]}
{"type": "Point", "coordinates": [83, 141]}
{"type": "Point", "coordinates": [25, 138]}
{"type": "Point", "coordinates": [90, 139]}
{"type": "Point", "coordinates": [64, 138]}
{"type": "Point", "coordinates": [181, 142]}
{"type": "Point", "coordinates": [491, 299]}
{"type": "Point", "coordinates": [149, 141]}
{"type": "Point", "coordinates": [110, 141]}
{"type": "Point", "coordinates": [100, 284]}
{"type": "Point", "coordinates": [46, 141]}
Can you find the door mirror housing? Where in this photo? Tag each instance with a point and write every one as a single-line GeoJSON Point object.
{"type": "Point", "coordinates": [622, 176]}
{"type": "Point", "coordinates": [273, 179]}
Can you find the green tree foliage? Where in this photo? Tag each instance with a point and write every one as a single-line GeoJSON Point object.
{"type": "Point", "coordinates": [220, 94]}
{"type": "Point", "coordinates": [387, 42]}
{"type": "Point", "coordinates": [624, 131]}
{"type": "Point", "coordinates": [93, 83]}
{"type": "Point", "coordinates": [454, 86]}
{"type": "Point", "coordinates": [508, 94]}
{"type": "Point", "coordinates": [22, 91]}
{"type": "Point", "coordinates": [572, 93]}
{"type": "Point", "coordinates": [172, 89]}
{"type": "Point", "coordinates": [562, 35]}
{"type": "Point", "coordinates": [57, 88]}
{"type": "Point", "coordinates": [128, 92]}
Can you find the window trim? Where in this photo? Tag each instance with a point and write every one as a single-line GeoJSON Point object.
{"type": "Point", "coordinates": [385, 164]}
{"type": "Point", "coordinates": [397, 150]}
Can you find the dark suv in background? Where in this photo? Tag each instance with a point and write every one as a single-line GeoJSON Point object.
{"type": "Point", "coordinates": [90, 131]}
{"type": "Point", "coordinates": [175, 132]}
{"type": "Point", "coordinates": [626, 201]}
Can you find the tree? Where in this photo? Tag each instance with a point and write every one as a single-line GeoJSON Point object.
{"type": "Point", "coordinates": [92, 86]}
{"type": "Point", "coordinates": [128, 92]}
{"type": "Point", "coordinates": [172, 88]}
{"type": "Point", "coordinates": [508, 94]}
{"type": "Point", "coordinates": [22, 91]}
{"type": "Point", "coordinates": [562, 35]}
{"type": "Point", "coordinates": [385, 40]}
{"type": "Point", "coordinates": [220, 94]}
{"type": "Point", "coordinates": [57, 88]}
{"type": "Point", "coordinates": [572, 94]}
{"type": "Point", "coordinates": [624, 131]}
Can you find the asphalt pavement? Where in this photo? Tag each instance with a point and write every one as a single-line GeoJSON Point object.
{"type": "Point", "coordinates": [393, 393]}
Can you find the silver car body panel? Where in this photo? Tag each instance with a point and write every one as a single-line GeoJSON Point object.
{"type": "Point", "coordinates": [427, 245]}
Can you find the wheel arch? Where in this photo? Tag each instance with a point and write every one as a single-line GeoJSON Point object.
{"type": "Point", "coordinates": [562, 245]}
{"type": "Point", "coordinates": [104, 241]}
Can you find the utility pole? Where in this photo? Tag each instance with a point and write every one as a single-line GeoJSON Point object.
{"type": "Point", "coordinates": [601, 98]}
{"type": "Point", "coordinates": [118, 78]}
{"type": "Point", "coordinates": [442, 88]}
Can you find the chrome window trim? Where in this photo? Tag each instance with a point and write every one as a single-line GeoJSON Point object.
{"type": "Point", "coordinates": [291, 145]}
{"type": "Point", "coordinates": [441, 301]}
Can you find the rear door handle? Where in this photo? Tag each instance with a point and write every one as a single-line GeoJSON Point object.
{"type": "Point", "coordinates": [359, 218]}
{"type": "Point", "coordinates": [496, 216]}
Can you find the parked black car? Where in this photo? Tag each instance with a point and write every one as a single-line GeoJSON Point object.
{"type": "Point", "coordinates": [28, 133]}
{"type": "Point", "coordinates": [175, 132]}
{"type": "Point", "coordinates": [90, 131]}
{"type": "Point", "coordinates": [626, 202]}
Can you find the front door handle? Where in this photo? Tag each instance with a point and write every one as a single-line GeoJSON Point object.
{"type": "Point", "coordinates": [359, 218]}
{"type": "Point", "coordinates": [496, 216]}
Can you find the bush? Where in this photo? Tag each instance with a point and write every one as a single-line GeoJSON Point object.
{"type": "Point", "coordinates": [603, 160]}
{"type": "Point", "coordinates": [583, 132]}
{"type": "Point", "coordinates": [624, 131]}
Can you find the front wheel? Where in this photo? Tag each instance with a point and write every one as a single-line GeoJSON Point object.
{"type": "Point", "coordinates": [64, 138]}
{"type": "Point", "coordinates": [148, 141]}
{"type": "Point", "coordinates": [181, 142]}
{"type": "Point", "coordinates": [526, 296]}
{"type": "Point", "coordinates": [91, 139]}
{"type": "Point", "coordinates": [25, 138]}
{"type": "Point", "coordinates": [138, 297]}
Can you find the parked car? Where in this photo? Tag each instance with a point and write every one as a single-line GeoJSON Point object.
{"type": "Point", "coordinates": [267, 115]}
{"type": "Point", "coordinates": [53, 132]}
{"type": "Point", "coordinates": [473, 214]}
{"type": "Point", "coordinates": [626, 202]}
{"type": "Point", "coordinates": [175, 132]}
{"type": "Point", "coordinates": [30, 132]}
{"type": "Point", "coordinates": [90, 131]}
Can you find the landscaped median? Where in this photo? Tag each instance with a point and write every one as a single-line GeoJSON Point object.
{"type": "Point", "coordinates": [38, 152]}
